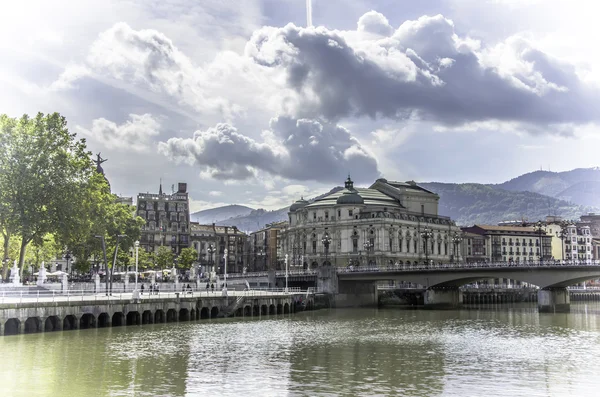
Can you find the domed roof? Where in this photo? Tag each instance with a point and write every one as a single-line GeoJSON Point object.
{"type": "Point", "coordinates": [350, 197]}
{"type": "Point", "coordinates": [298, 204]}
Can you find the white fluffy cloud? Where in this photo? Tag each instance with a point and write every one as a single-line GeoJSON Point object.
{"type": "Point", "coordinates": [423, 68]}
{"type": "Point", "coordinates": [135, 134]}
{"type": "Point", "coordinates": [296, 149]}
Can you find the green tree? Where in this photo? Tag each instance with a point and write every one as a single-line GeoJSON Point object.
{"type": "Point", "coordinates": [186, 258]}
{"type": "Point", "coordinates": [164, 257]}
{"type": "Point", "coordinates": [43, 169]}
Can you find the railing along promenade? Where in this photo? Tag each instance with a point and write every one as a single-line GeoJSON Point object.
{"type": "Point", "coordinates": [41, 296]}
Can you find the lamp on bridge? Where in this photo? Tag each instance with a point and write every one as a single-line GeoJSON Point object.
{"type": "Point", "coordinates": [456, 240]}
{"type": "Point", "coordinates": [326, 240]}
{"type": "Point", "coordinates": [426, 234]}
{"type": "Point", "coordinates": [538, 227]}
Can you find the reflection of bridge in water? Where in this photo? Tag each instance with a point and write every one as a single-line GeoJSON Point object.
{"type": "Point", "coordinates": [358, 286]}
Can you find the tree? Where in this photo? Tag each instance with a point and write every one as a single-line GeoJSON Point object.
{"type": "Point", "coordinates": [164, 257]}
{"type": "Point", "coordinates": [186, 258]}
{"type": "Point", "coordinates": [43, 168]}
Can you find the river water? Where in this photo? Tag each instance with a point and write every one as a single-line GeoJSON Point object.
{"type": "Point", "coordinates": [487, 350]}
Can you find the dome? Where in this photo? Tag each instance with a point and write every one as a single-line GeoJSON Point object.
{"type": "Point", "coordinates": [298, 204]}
{"type": "Point", "coordinates": [350, 197]}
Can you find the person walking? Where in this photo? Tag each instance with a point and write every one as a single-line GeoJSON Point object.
{"type": "Point", "coordinates": [212, 287]}
{"type": "Point", "coordinates": [142, 289]}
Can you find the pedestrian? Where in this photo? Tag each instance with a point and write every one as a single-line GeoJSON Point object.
{"type": "Point", "coordinates": [189, 288]}
{"type": "Point", "coordinates": [207, 286]}
{"type": "Point", "coordinates": [212, 287]}
{"type": "Point", "coordinates": [142, 289]}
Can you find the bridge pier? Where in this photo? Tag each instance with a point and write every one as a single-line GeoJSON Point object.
{"type": "Point", "coordinates": [443, 298]}
{"type": "Point", "coordinates": [554, 300]}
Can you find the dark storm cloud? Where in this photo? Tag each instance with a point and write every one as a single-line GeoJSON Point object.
{"type": "Point", "coordinates": [423, 69]}
{"type": "Point", "coordinates": [296, 149]}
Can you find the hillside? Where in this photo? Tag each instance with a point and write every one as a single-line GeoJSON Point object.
{"type": "Point", "coordinates": [579, 186]}
{"type": "Point", "coordinates": [219, 214]}
{"type": "Point", "coordinates": [470, 203]}
{"type": "Point", "coordinates": [257, 219]}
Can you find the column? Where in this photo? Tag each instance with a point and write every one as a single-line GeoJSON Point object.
{"type": "Point", "coordinates": [443, 298]}
{"type": "Point", "coordinates": [554, 300]}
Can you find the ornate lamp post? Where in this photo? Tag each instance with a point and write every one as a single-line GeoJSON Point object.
{"type": "Point", "coordinates": [426, 234]}
{"type": "Point", "coordinates": [211, 250]}
{"type": "Point", "coordinates": [68, 257]}
{"type": "Point", "coordinates": [137, 248]}
{"type": "Point", "coordinates": [326, 240]}
{"type": "Point", "coordinates": [286, 273]}
{"type": "Point", "coordinates": [456, 240]}
{"type": "Point", "coordinates": [225, 252]}
{"type": "Point", "coordinates": [368, 246]}
{"type": "Point", "coordinates": [539, 228]}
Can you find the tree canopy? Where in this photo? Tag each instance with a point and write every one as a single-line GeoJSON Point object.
{"type": "Point", "coordinates": [49, 187]}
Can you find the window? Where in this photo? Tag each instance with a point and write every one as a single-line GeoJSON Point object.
{"type": "Point", "coordinates": [173, 216]}
{"type": "Point", "coordinates": [422, 209]}
{"type": "Point", "coordinates": [339, 213]}
{"type": "Point", "coordinates": [354, 245]}
{"type": "Point", "coordinates": [314, 247]}
{"type": "Point", "coordinates": [151, 215]}
{"type": "Point", "coordinates": [326, 215]}
{"type": "Point", "coordinates": [400, 243]}
{"type": "Point", "coordinates": [350, 213]}
{"type": "Point", "coordinates": [314, 216]}
{"type": "Point", "coordinates": [181, 217]}
{"type": "Point", "coordinates": [391, 243]}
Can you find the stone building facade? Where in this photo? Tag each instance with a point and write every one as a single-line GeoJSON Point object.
{"type": "Point", "coordinates": [387, 223]}
{"type": "Point", "coordinates": [265, 248]}
{"type": "Point", "coordinates": [203, 238]}
{"type": "Point", "coordinates": [167, 219]}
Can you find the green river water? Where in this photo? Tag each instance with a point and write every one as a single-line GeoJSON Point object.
{"type": "Point", "coordinates": [497, 350]}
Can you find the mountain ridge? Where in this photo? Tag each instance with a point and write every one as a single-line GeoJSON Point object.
{"type": "Point", "coordinates": [569, 194]}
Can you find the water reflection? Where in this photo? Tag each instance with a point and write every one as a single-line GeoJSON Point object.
{"type": "Point", "coordinates": [495, 350]}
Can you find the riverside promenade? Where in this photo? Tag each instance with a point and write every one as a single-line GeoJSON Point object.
{"type": "Point", "coordinates": [47, 311]}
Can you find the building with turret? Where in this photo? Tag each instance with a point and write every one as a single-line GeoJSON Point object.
{"type": "Point", "coordinates": [167, 219]}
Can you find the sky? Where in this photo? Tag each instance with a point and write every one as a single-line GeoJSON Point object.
{"type": "Point", "coordinates": [248, 105]}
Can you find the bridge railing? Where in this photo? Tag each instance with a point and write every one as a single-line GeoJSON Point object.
{"type": "Point", "coordinates": [455, 266]}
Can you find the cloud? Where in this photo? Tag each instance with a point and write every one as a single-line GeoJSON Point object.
{"type": "Point", "coordinates": [300, 149]}
{"type": "Point", "coordinates": [425, 69]}
{"type": "Point", "coordinates": [215, 193]}
{"type": "Point", "coordinates": [376, 23]}
{"type": "Point", "coordinates": [132, 135]}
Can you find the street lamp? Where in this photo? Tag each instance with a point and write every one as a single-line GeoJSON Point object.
{"type": "Point", "coordinates": [105, 261]}
{"type": "Point", "coordinates": [539, 228]}
{"type": "Point", "coordinates": [286, 273]}
{"type": "Point", "coordinates": [426, 234]}
{"type": "Point", "coordinates": [456, 240]}
{"type": "Point", "coordinates": [225, 272]}
{"type": "Point", "coordinates": [112, 269]}
{"type": "Point", "coordinates": [326, 240]}
{"type": "Point", "coordinates": [137, 247]}
{"type": "Point", "coordinates": [368, 246]}
{"type": "Point", "coordinates": [211, 250]}
{"type": "Point", "coordinates": [68, 257]}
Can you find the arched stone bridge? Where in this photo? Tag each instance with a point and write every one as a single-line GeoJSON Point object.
{"type": "Point", "coordinates": [358, 286]}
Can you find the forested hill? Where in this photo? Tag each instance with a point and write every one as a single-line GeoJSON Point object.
{"type": "Point", "coordinates": [471, 203]}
